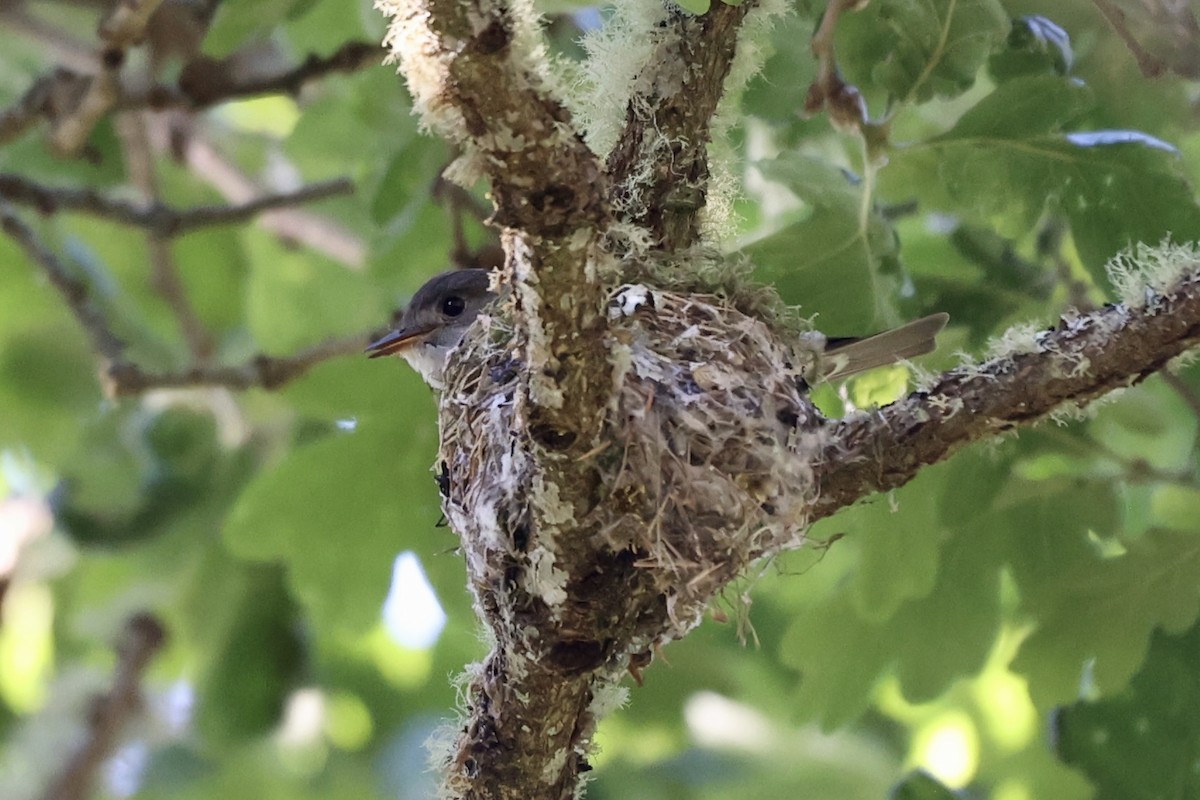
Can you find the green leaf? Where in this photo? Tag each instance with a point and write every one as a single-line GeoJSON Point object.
{"type": "Point", "coordinates": [963, 609]}
{"type": "Point", "coordinates": [216, 270]}
{"type": "Point", "coordinates": [1176, 507]}
{"type": "Point", "coordinates": [257, 663]}
{"type": "Point", "coordinates": [1141, 744]}
{"type": "Point", "coordinates": [921, 786]}
{"type": "Point", "coordinates": [102, 484]}
{"type": "Point", "coordinates": [295, 299]}
{"type": "Point", "coordinates": [1104, 612]}
{"type": "Point", "coordinates": [1004, 161]}
{"type": "Point", "coordinates": [315, 26]}
{"type": "Point", "coordinates": [829, 263]}
{"type": "Point", "coordinates": [337, 512]}
{"type": "Point", "coordinates": [697, 7]}
{"type": "Point", "coordinates": [841, 653]}
{"type": "Point", "coordinates": [354, 387]}
{"type": "Point", "coordinates": [840, 659]}
{"type": "Point", "coordinates": [1149, 424]}
{"type": "Point", "coordinates": [1035, 46]}
{"type": "Point", "coordinates": [1023, 108]}
{"type": "Point", "coordinates": [900, 537]}
{"type": "Point", "coordinates": [778, 92]}
{"type": "Point", "coordinates": [237, 22]}
{"type": "Point", "coordinates": [404, 191]}
{"type": "Point", "coordinates": [139, 474]}
{"type": "Point", "coordinates": [1047, 525]}
{"type": "Point", "coordinates": [48, 388]}
{"type": "Point", "coordinates": [920, 49]}
{"type": "Point", "coordinates": [972, 483]}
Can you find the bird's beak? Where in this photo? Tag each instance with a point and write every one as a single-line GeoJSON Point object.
{"type": "Point", "coordinates": [396, 341]}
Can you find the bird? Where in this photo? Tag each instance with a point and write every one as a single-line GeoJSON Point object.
{"type": "Point", "coordinates": [436, 320]}
{"type": "Point", "coordinates": [443, 309]}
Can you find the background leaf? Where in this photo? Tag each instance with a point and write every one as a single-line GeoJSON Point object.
{"type": "Point", "coordinates": [1031, 591]}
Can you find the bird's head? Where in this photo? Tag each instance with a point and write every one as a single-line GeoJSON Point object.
{"type": "Point", "coordinates": [436, 321]}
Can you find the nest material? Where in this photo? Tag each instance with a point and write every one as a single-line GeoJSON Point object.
{"type": "Point", "coordinates": [705, 464]}
{"type": "Point", "coordinates": [719, 435]}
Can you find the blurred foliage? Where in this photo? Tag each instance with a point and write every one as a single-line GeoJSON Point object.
{"type": "Point", "coordinates": [921, 646]}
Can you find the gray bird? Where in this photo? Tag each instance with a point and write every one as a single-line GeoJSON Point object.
{"type": "Point", "coordinates": [436, 321]}
{"type": "Point", "coordinates": [441, 311]}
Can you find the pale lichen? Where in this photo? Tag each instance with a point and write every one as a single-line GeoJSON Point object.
{"type": "Point", "coordinates": [753, 48]}
{"type": "Point", "coordinates": [1020, 338]}
{"type": "Point", "coordinates": [1145, 272]}
{"type": "Point", "coordinates": [544, 580]}
{"type": "Point", "coordinates": [616, 54]}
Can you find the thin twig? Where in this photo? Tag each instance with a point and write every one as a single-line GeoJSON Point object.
{"type": "Point", "coordinates": [164, 271]}
{"type": "Point", "coordinates": [53, 43]}
{"type": "Point", "coordinates": [74, 100]}
{"type": "Point", "coordinates": [142, 638]}
{"type": "Point", "coordinates": [74, 291]}
{"type": "Point", "coordinates": [159, 218]}
{"type": "Point", "coordinates": [459, 204]}
{"type": "Point", "coordinates": [1150, 64]}
{"type": "Point", "coordinates": [1132, 469]}
{"type": "Point", "coordinates": [228, 215]}
{"type": "Point", "coordinates": [205, 82]}
{"type": "Point", "coordinates": [298, 225]}
{"type": "Point", "coordinates": [125, 378]}
{"type": "Point", "coordinates": [125, 23]}
{"type": "Point", "coordinates": [50, 96]}
{"type": "Point", "coordinates": [260, 371]}
{"type": "Point", "coordinates": [846, 107]}
{"type": "Point", "coordinates": [120, 30]}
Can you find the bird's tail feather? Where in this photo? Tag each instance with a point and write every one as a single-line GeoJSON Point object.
{"type": "Point", "coordinates": [846, 357]}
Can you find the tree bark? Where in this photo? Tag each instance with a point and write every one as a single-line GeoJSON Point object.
{"type": "Point", "coordinates": [571, 455]}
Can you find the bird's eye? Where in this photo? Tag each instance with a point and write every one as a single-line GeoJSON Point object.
{"type": "Point", "coordinates": [453, 305]}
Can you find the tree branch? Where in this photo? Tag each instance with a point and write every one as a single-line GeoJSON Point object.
{"type": "Point", "coordinates": [165, 277]}
{"type": "Point", "coordinates": [1162, 36]}
{"type": "Point", "coordinates": [478, 76]}
{"type": "Point", "coordinates": [51, 96]}
{"type": "Point", "coordinates": [74, 99]}
{"type": "Point", "coordinates": [259, 372]}
{"type": "Point", "coordinates": [713, 458]}
{"type": "Point", "coordinates": [125, 378]}
{"type": "Point", "coordinates": [54, 43]}
{"type": "Point", "coordinates": [829, 90]}
{"type": "Point", "coordinates": [120, 30]}
{"type": "Point", "coordinates": [156, 217]}
{"type": "Point", "coordinates": [293, 224]}
{"type": "Point", "coordinates": [477, 79]}
{"type": "Point", "coordinates": [74, 291]}
{"type": "Point", "coordinates": [660, 165]}
{"type": "Point", "coordinates": [207, 82]}
{"type": "Point", "coordinates": [475, 74]}
{"type": "Point", "coordinates": [1083, 358]}
{"type": "Point", "coordinates": [142, 638]}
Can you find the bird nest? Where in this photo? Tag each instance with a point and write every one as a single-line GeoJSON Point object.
{"type": "Point", "coordinates": [704, 464]}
